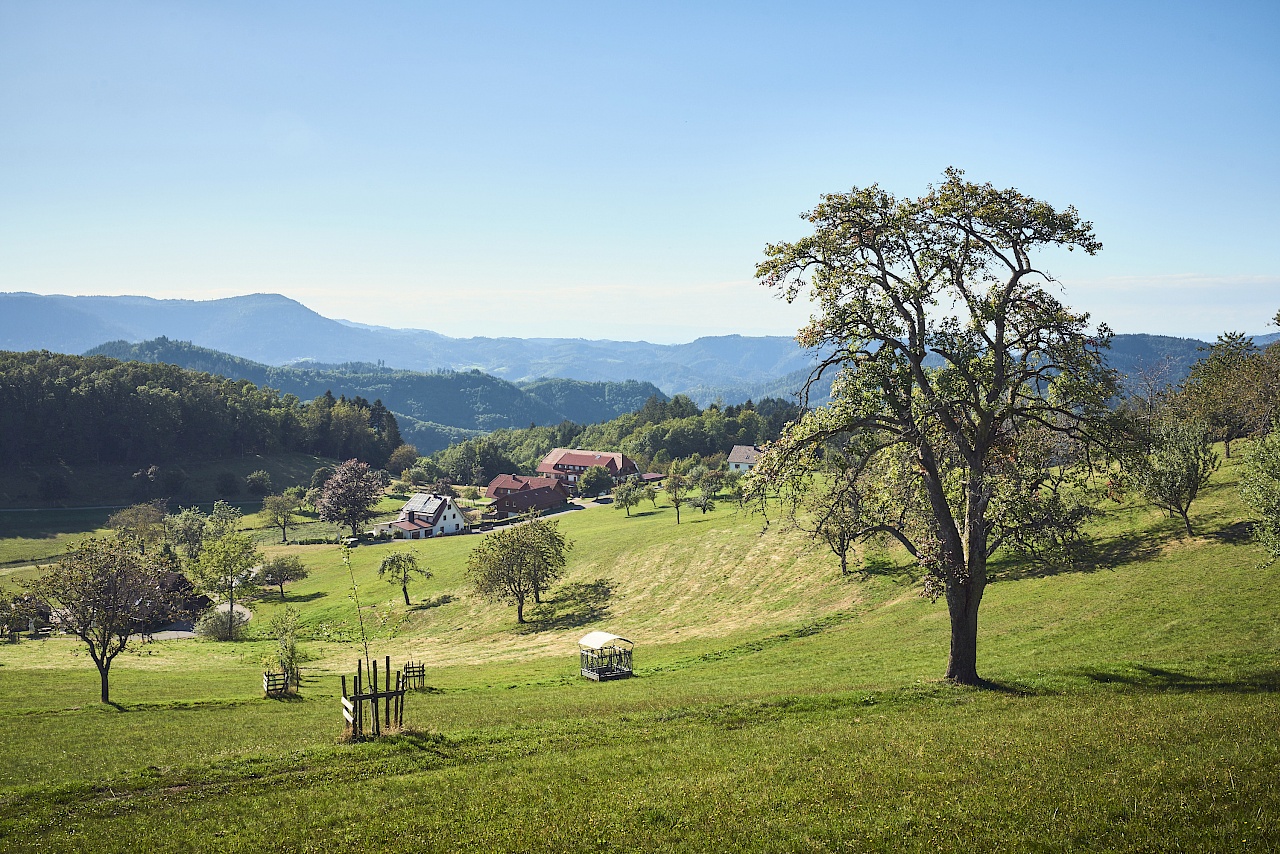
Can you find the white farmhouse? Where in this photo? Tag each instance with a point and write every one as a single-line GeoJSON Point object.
{"type": "Point", "coordinates": [425, 515]}
{"type": "Point", "coordinates": [743, 457]}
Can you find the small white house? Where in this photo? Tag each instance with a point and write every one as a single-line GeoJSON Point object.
{"type": "Point", "coordinates": [743, 457]}
{"type": "Point", "coordinates": [426, 515]}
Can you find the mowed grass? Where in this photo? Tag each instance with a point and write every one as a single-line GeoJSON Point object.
{"type": "Point", "coordinates": [777, 707]}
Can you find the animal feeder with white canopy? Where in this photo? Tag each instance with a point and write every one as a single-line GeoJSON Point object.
{"type": "Point", "coordinates": [604, 656]}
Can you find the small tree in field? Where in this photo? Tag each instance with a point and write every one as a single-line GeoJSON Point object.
{"type": "Point", "coordinates": [283, 570]}
{"type": "Point", "coordinates": [594, 481]}
{"type": "Point", "coordinates": [626, 495]}
{"type": "Point", "coordinates": [103, 591]}
{"type": "Point", "coordinates": [224, 570]}
{"type": "Point", "coordinates": [677, 487]}
{"type": "Point", "coordinates": [143, 523]}
{"type": "Point", "coordinates": [1179, 465]}
{"type": "Point", "coordinates": [398, 567]}
{"type": "Point", "coordinates": [517, 563]}
{"type": "Point", "coordinates": [348, 497]}
{"type": "Point", "coordinates": [279, 511]}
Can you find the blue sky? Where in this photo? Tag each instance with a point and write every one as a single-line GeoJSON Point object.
{"type": "Point", "coordinates": [614, 170]}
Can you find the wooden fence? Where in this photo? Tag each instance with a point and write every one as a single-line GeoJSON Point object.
{"type": "Point", "coordinates": [360, 708]}
{"type": "Point", "coordinates": [415, 675]}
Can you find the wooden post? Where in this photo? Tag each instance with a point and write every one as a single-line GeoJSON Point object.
{"type": "Point", "coordinates": [373, 702]}
{"type": "Point", "coordinates": [387, 708]}
{"type": "Point", "coordinates": [359, 700]}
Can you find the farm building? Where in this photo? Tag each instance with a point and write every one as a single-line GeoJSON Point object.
{"type": "Point", "coordinates": [425, 515]}
{"type": "Point", "coordinates": [568, 464]}
{"type": "Point", "coordinates": [743, 457]}
{"type": "Point", "coordinates": [505, 484]}
{"type": "Point", "coordinates": [538, 500]}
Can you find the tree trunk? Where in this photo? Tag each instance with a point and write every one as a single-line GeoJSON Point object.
{"type": "Point", "coordinates": [102, 678]}
{"type": "Point", "coordinates": [405, 590]}
{"type": "Point", "coordinates": [1186, 520]}
{"type": "Point", "coordinates": [962, 665]}
{"type": "Point", "coordinates": [520, 610]}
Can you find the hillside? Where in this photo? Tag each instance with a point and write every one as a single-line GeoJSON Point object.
{"type": "Point", "coordinates": [777, 707]}
{"type": "Point", "coordinates": [434, 408]}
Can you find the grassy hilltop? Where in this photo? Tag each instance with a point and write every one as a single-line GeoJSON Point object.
{"type": "Point", "coordinates": [777, 707]}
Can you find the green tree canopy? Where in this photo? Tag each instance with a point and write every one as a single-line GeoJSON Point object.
{"type": "Point", "coordinates": [950, 347]}
{"type": "Point", "coordinates": [105, 590]}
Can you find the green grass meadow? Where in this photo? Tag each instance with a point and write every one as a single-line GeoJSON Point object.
{"type": "Point", "coordinates": [1132, 706]}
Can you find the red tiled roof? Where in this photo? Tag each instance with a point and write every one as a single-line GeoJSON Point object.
{"type": "Point", "coordinates": [560, 458]}
{"type": "Point", "coordinates": [542, 498]}
{"type": "Point", "coordinates": [516, 483]}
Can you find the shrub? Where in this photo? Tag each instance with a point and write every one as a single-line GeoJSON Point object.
{"type": "Point", "coordinates": [220, 625]}
{"type": "Point", "coordinates": [258, 483]}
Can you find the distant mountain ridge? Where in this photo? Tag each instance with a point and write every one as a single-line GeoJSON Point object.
{"type": "Point", "coordinates": [434, 409]}
{"type": "Point", "coordinates": [273, 330]}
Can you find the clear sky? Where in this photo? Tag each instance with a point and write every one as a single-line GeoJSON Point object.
{"type": "Point", "coordinates": [613, 170]}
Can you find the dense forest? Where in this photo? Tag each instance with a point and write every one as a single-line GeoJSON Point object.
{"type": "Point", "coordinates": [656, 434]}
{"type": "Point", "coordinates": [95, 409]}
{"type": "Point", "coordinates": [435, 408]}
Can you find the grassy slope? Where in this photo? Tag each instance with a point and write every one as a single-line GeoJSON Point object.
{"type": "Point", "coordinates": [778, 708]}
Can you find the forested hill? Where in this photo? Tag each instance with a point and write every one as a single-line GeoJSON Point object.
{"type": "Point", "coordinates": [78, 409]}
{"type": "Point", "coordinates": [434, 408]}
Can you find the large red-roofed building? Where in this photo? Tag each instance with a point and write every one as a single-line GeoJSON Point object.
{"type": "Point", "coordinates": [505, 484]}
{"type": "Point", "coordinates": [568, 464]}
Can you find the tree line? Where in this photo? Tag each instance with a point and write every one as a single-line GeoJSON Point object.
{"type": "Point", "coordinates": [656, 435]}
{"type": "Point", "coordinates": [94, 409]}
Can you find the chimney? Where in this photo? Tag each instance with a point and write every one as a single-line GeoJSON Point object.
{"type": "Point", "coordinates": [410, 515]}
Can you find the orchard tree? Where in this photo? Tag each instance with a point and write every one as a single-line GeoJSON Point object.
{"type": "Point", "coordinates": [951, 348]}
{"type": "Point", "coordinates": [282, 570]}
{"type": "Point", "coordinates": [627, 495]}
{"type": "Point", "coordinates": [104, 591]}
{"type": "Point", "coordinates": [677, 486]}
{"type": "Point", "coordinates": [1222, 391]}
{"type": "Point", "coordinates": [398, 567]}
{"type": "Point", "coordinates": [595, 481]}
{"type": "Point", "coordinates": [142, 523]}
{"type": "Point", "coordinates": [1260, 489]}
{"type": "Point", "coordinates": [1179, 465]}
{"type": "Point", "coordinates": [349, 495]}
{"type": "Point", "coordinates": [519, 562]}
{"type": "Point", "coordinates": [279, 511]}
{"type": "Point", "coordinates": [224, 571]}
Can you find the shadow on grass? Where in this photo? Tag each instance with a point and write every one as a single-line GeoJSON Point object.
{"type": "Point", "coordinates": [305, 597]}
{"type": "Point", "coordinates": [435, 602]}
{"type": "Point", "coordinates": [1113, 552]}
{"type": "Point", "coordinates": [574, 605]}
{"type": "Point", "coordinates": [1237, 534]}
{"type": "Point", "coordinates": [1142, 676]}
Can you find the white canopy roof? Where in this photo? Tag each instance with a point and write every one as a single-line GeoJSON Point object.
{"type": "Point", "coordinates": [599, 640]}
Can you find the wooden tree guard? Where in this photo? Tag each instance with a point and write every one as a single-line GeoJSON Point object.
{"type": "Point", "coordinates": [369, 722]}
{"type": "Point", "coordinates": [415, 675]}
{"type": "Point", "coordinates": [275, 684]}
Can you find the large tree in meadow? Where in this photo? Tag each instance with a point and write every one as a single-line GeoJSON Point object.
{"type": "Point", "coordinates": [349, 495]}
{"type": "Point", "coordinates": [954, 355]}
{"type": "Point", "coordinates": [103, 592]}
